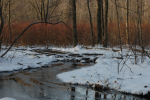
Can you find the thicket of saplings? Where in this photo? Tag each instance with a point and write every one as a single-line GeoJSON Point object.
{"type": "Point", "coordinates": [60, 35]}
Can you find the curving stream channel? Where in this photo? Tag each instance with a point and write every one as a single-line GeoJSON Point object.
{"type": "Point", "coordinates": [42, 84]}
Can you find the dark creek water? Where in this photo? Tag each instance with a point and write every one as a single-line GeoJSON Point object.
{"type": "Point", "coordinates": [42, 84]}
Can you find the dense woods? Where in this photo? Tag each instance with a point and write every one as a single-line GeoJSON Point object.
{"type": "Point", "coordinates": [107, 22]}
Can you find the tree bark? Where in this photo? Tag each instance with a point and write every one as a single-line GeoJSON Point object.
{"type": "Point", "coordinates": [106, 20]}
{"type": "Point", "coordinates": [102, 20]}
{"type": "Point", "coordinates": [127, 22]}
{"type": "Point", "coordinates": [118, 26]}
{"type": "Point", "coordinates": [75, 41]}
{"type": "Point", "coordinates": [99, 27]}
{"type": "Point", "coordinates": [90, 23]}
{"type": "Point", "coordinates": [42, 10]}
{"type": "Point", "coordinates": [9, 23]}
{"type": "Point", "coordinates": [140, 27]}
{"type": "Point", "coordinates": [1, 23]}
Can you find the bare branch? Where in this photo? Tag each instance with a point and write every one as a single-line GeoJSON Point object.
{"type": "Point", "coordinates": [28, 28]}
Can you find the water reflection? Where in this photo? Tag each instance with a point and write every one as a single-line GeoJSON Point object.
{"type": "Point", "coordinates": [42, 84]}
{"type": "Point", "coordinates": [86, 93]}
{"type": "Point", "coordinates": [97, 95]}
{"type": "Point", "coordinates": [72, 93]}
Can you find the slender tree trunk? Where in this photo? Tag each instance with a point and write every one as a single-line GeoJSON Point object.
{"type": "Point", "coordinates": [90, 23]}
{"type": "Point", "coordinates": [140, 24]}
{"type": "Point", "coordinates": [127, 22]}
{"type": "Point", "coordinates": [138, 21]}
{"type": "Point", "coordinates": [102, 23]}
{"type": "Point", "coordinates": [106, 20]}
{"type": "Point", "coordinates": [9, 23]}
{"type": "Point", "coordinates": [140, 28]}
{"type": "Point", "coordinates": [118, 26]}
{"type": "Point", "coordinates": [42, 10]}
{"type": "Point", "coordinates": [99, 27]}
{"type": "Point", "coordinates": [137, 41]}
{"type": "Point", "coordinates": [47, 10]}
{"type": "Point", "coordinates": [1, 23]}
{"type": "Point", "coordinates": [75, 41]}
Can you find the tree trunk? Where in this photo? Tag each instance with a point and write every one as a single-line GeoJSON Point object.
{"type": "Point", "coordinates": [140, 27]}
{"type": "Point", "coordinates": [127, 22]}
{"type": "Point", "coordinates": [1, 23]}
{"type": "Point", "coordinates": [42, 5]}
{"type": "Point", "coordinates": [99, 27]}
{"type": "Point", "coordinates": [75, 41]}
{"type": "Point", "coordinates": [140, 23]}
{"type": "Point", "coordinates": [9, 23]}
{"type": "Point", "coordinates": [90, 22]}
{"type": "Point", "coordinates": [118, 26]}
{"type": "Point", "coordinates": [106, 20]}
{"type": "Point", "coordinates": [102, 21]}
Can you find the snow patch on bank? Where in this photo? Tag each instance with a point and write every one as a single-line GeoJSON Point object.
{"type": "Point", "coordinates": [132, 78]}
{"type": "Point", "coordinates": [7, 98]}
{"type": "Point", "coordinates": [20, 60]}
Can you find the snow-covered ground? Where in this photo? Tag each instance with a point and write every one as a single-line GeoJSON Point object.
{"type": "Point", "coordinates": [7, 98]}
{"type": "Point", "coordinates": [23, 59]}
{"type": "Point", "coordinates": [131, 79]}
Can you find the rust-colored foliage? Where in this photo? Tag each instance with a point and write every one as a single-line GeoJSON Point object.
{"type": "Point", "coordinates": [60, 35]}
{"type": "Point", "coordinates": [113, 37]}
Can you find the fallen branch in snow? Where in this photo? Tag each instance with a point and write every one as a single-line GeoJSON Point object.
{"type": "Point", "coordinates": [20, 63]}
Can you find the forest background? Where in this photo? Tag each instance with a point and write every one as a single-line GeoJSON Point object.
{"type": "Point", "coordinates": [16, 15]}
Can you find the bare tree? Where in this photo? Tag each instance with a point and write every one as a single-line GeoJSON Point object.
{"type": "Point", "coordinates": [118, 24]}
{"type": "Point", "coordinates": [127, 21]}
{"type": "Point", "coordinates": [99, 21]}
{"type": "Point", "coordinates": [106, 21]}
{"type": "Point", "coordinates": [1, 23]}
{"type": "Point", "coordinates": [139, 13]}
{"type": "Point", "coordinates": [42, 7]}
{"type": "Point", "coordinates": [75, 41]}
{"type": "Point", "coordinates": [9, 19]}
{"type": "Point", "coordinates": [90, 22]}
{"type": "Point", "coordinates": [45, 16]}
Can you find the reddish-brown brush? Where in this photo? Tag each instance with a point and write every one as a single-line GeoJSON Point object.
{"type": "Point", "coordinates": [60, 35]}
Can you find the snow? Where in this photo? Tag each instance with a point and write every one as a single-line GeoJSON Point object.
{"type": "Point", "coordinates": [133, 78]}
{"type": "Point", "coordinates": [20, 60]}
{"type": "Point", "coordinates": [7, 98]}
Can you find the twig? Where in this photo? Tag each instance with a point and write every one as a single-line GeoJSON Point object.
{"type": "Point", "coordinates": [13, 56]}
{"type": "Point", "coordinates": [122, 80]}
{"type": "Point", "coordinates": [129, 68]}
{"type": "Point", "coordinates": [90, 78]}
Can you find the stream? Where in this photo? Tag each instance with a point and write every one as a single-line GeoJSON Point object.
{"type": "Point", "coordinates": [42, 84]}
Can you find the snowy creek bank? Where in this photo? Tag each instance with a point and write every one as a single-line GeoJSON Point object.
{"type": "Point", "coordinates": [114, 70]}
{"type": "Point", "coordinates": [42, 84]}
{"type": "Point", "coordinates": [132, 79]}
{"type": "Point", "coordinates": [32, 58]}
